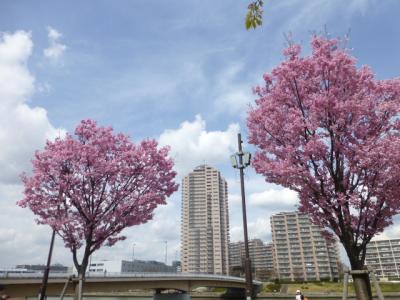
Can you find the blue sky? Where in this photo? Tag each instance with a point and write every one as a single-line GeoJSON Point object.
{"type": "Point", "coordinates": [177, 71]}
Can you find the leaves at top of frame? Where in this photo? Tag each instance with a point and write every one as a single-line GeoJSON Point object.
{"type": "Point", "coordinates": [254, 15]}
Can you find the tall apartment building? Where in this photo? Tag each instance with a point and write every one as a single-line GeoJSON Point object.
{"type": "Point", "coordinates": [301, 252]}
{"type": "Point", "coordinates": [270, 258]}
{"type": "Point", "coordinates": [205, 222]}
{"type": "Point", "coordinates": [384, 257]}
{"type": "Point", "coordinates": [260, 255]}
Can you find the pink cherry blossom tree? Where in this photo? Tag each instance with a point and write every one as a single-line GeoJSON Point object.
{"type": "Point", "coordinates": [90, 186]}
{"type": "Point", "coordinates": [331, 132]}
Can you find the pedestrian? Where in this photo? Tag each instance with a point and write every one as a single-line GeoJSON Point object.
{"type": "Point", "coordinates": [300, 296]}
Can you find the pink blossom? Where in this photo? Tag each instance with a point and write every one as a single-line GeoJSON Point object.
{"type": "Point", "coordinates": [331, 132]}
{"type": "Point", "coordinates": [91, 185]}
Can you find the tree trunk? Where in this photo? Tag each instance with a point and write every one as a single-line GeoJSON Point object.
{"type": "Point", "coordinates": [79, 287]}
{"type": "Point", "coordinates": [362, 286]}
{"type": "Point", "coordinates": [81, 268]}
{"type": "Point", "coordinates": [81, 278]}
{"type": "Point", "coordinates": [361, 282]}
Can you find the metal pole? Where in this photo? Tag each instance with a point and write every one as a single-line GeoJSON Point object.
{"type": "Point", "coordinates": [133, 252]}
{"type": "Point", "coordinates": [90, 263]}
{"type": "Point", "coordinates": [345, 284]}
{"type": "Point", "coordinates": [377, 287]}
{"type": "Point", "coordinates": [47, 269]}
{"type": "Point", "coordinates": [65, 287]}
{"type": "Point", "coordinates": [166, 252]}
{"type": "Point", "coordinates": [247, 261]}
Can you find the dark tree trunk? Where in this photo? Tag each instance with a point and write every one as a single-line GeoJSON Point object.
{"type": "Point", "coordinates": [81, 268]}
{"type": "Point", "coordinates": [361, 282]}
{"type": "Point", "coordinates": [81, 278]}
{"type": "Point", "coordinates": [362, 286]}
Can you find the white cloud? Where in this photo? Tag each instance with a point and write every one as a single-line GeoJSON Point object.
{"type": "Point", "coordinates": [191, 144]}
{"type": "Point", "coordinates": [16, 83]}
{"type": "Point", "coordinates": [233, 95]}
{"type": "Point", "coordinates": [262, 201]}
{"type": "Point", "coordinates": [275, 199]}
{"type": "Point", "coordinates": [391, 232]}
{"type": "Point", "coordinates": [56, 48]}
{"type": "Point", "coordinates": [234, 199]}
{"type": "Point", "coordinates": [255, 183]}
{"type": "Point", "coordinates": [235, 99]}
{"type": "Point", "coordinates": [23, 129]}
{"type": "Point", "coordinates": [305, 16]}
{"type": "Point", "coordinates": [259, 228]}
{"type": "Point", "coordinates": [43, 88]}
{"type": "Point", "coordinates": [148, 240]}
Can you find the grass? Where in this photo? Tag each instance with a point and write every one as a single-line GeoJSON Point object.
{"type": "Point", "coordinates": [387, 287]}
{"type": "Point", "coordinates": [326, 287]}
{"type": "Point", "coordinates": [318, 287]}
{"type": "Point", "coordinates": [271, 287]}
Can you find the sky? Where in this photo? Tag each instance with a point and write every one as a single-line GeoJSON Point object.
{"type": "Point", "coordinates": [180, 72]}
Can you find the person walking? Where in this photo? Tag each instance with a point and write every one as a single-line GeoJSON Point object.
{"type": "Point", "coordinates": [300, 296]}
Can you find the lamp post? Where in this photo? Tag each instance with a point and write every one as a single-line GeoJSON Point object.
{"type": "Point", "coordinates": [48, 264]}
{"type": "Point", "coordinates": [133, 257]}
{"type": "Point", "coordinates": [166, 252]}
{"type": "Point", "coordinates": [47, 269]}
{"type": "Point", "coordinates": [241, 160]}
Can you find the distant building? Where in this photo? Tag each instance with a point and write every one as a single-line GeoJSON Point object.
{"type": "Point", "coordinates": [147, 266]}
{"type": "Point", "coordinates": [56, 268]}
{"type": "Point", "coordinates": [125, 266]}
{"type": "Point", "coordinates": [177, 265]}
{"type": "Point", "coordinates": [236, 254]}
{"type": "Point", "coordinates": [106, 266]}
{"type": "Point", "coordinates": [301, 252]}
{"type": "Point", "coordinates": [205, 223]}
{"type": "Point", "coordinates": [260, 255]}
{"type": "Point", "coordinates": [270, 259]}
{"type": "Point", "coordinates": [384, 257]}
{"type": "Point", "coordinates": [10, 271]}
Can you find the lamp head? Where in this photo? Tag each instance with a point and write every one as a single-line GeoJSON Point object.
{"type": "Point", "coordinates": [234, 161]}
{"type": "Point", "coordinates": [246, 158]}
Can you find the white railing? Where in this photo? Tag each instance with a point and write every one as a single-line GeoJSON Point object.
{"type": "Point", "coordinates": [12, 275]}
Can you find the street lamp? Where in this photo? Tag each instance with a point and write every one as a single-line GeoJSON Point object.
{"type": "Point", "coordinates": [47, 269]}
{"type": "Point", "coordinates": [166, 252]}
{"type": "Point", "coordinates": [48, 264]}
{"type": "Point", "coordinates": [241, 160]}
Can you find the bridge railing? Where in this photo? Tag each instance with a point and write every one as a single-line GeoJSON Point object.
{"type": "Point", "coordinates": [124, 275]}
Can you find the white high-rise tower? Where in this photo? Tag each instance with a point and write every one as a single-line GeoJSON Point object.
{"type": "Point", "coordinates": [205, 222]}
